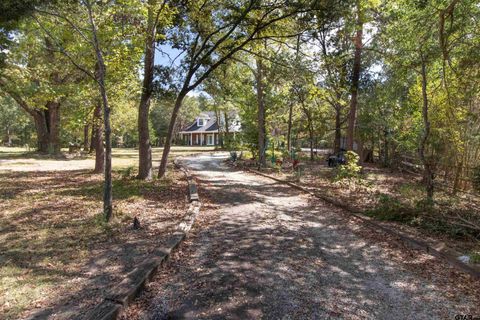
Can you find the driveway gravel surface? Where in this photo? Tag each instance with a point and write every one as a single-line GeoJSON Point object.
{"type": "Point", "coordinates": [261, 249]}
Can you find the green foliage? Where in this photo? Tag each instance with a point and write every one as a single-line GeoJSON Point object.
{"type": "Point", "coordinates": [475, 256]}
{"type": "Point", "coordinates": [161, 113]}
{"type": "Point", "coordinates": [391, 209]}
{"type": "Point", "coordinates": [419, 213]}
{"type": "Point", "coordinates": [16, 128]}
{"type": "Point", "coordinates": [350, 171]}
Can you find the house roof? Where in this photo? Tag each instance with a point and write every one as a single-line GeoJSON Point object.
{"type": "Point", "coordinates": [211, 125]}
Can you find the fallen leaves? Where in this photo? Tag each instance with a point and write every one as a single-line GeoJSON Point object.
{"type": "Point", "coordinates": [55, 251]}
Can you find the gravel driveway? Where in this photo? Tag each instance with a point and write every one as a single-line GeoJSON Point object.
{"type": "Point", "coordinates": [265, 250]}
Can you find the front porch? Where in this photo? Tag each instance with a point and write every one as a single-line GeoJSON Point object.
{"type": "Point", "coordinates": [200, 139]}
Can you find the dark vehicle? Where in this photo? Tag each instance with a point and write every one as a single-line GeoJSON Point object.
{"type": "Point", "coordinates": [336, 159]}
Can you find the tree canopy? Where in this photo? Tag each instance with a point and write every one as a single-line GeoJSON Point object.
{"type": "Point", "coordinates": [391, 80]}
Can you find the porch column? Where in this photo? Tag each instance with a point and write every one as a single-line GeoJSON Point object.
{"type": "Point", "coordinates": [191, 138]}
{"type": "Point", "coordinates": [201, 139]}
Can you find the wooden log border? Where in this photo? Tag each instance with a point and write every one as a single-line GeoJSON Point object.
{"type": "Point", "coordinates": [121, 295]}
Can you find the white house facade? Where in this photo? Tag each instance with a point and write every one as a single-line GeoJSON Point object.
{"type": "Point", "coordinates": [204, 131]}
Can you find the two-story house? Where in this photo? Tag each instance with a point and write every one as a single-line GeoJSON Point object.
{"type": "Point", "coordinates": [205, 130]}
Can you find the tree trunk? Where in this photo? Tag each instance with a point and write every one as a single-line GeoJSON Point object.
{"type": "Point", "coordinates": [310, 129]}
{"type": "Point", "coordinates": [9, 137]}
{"type": "Point", "coordinates": [289, 126]}
{"type": "Point", "coordinates": [352, 118]}
{"type": "Point", "coordinates": [42, 131]}
{"type": "Point", "coordinates": [97, 139]}
{"type": "Point", "coordinates": [144, 146]}
{"type": "Point", "coordinates": [107, 195]}
{"type": "Point", "coordinates": [47, 127]}
{"type": "Point", "coordinates": [458, 174]}
{"type": "Point", "coordinates": [228, 139]}
{"type": "Point", "coordinates": [220, 127]}
{"type": "Point", "coordinates": [261, 114]}
{"type": "Point", "coordinates": [360, 152]}
{"type": "Point", "coordinates": [168, 142]}
{"type": "Point", "coordinates": [427, 172]}
{"type": "Point", "coordinates": [100, 75]}
{"type": "Point", "coordinates": [290, 107]}
{"type": "Point", "coordinates": [53, 125]}
{"type": "Point", "coordinates": [86, 133]}
{"type": "Point", "coordinates": [338, 131]}
{"type": "Point", "coordinates": [92, 136]}
{"type": "Point", "coordinates": [386, 159]}
{"type": "Point", "coordinates": [46, 121]}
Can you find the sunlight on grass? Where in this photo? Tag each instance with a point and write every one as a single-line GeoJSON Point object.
{"type": "Point", "coordinates": [18, 159]}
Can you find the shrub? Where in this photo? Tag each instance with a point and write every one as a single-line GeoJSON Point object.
{"type": "Point", "coordinates": [351, 169]}
{"type": "Point", "coordinates": [475, 256]}
{"type": "Point", "coordinates": [391, 209]}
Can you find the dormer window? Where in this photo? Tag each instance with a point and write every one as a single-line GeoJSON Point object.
{"type": "Point", "coordinates": [200, 122]}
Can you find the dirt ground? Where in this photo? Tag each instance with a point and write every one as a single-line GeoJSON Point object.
{"type": "Point", "coordinates": [57, 255]}
{"type": "Point", "coordinates": [262, 250]}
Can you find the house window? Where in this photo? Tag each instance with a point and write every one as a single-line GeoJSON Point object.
{"type": "Point", "coordinates": [210, 139]}
{"type": "Point", "coordinates": [201, 122]}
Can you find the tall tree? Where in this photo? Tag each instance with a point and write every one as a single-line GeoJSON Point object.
{"type": "Point", "coordinates": [213, 33]}
{"type": "Point", "coordinates": [357, 61]}
{"type": "Point", "coordinates": [155, 16]}
{"type": "Point", "coordinates": [261, 112]}
{"type": "Point", "coordinates": [89, 55]}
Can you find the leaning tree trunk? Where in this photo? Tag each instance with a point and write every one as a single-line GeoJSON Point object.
{"type": "Point", "coordinates": [168, 142]}
{"type": "Point", "coordinates": [261, 114]}
{"type": "Point", "coordinates": [352, 118]}
{"type": "Point", "coordinates": [144, 146]}
{"type": "Point", "coordinates": [427, 171]}
{"type": "Point", "coordinates": [97, 139]}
